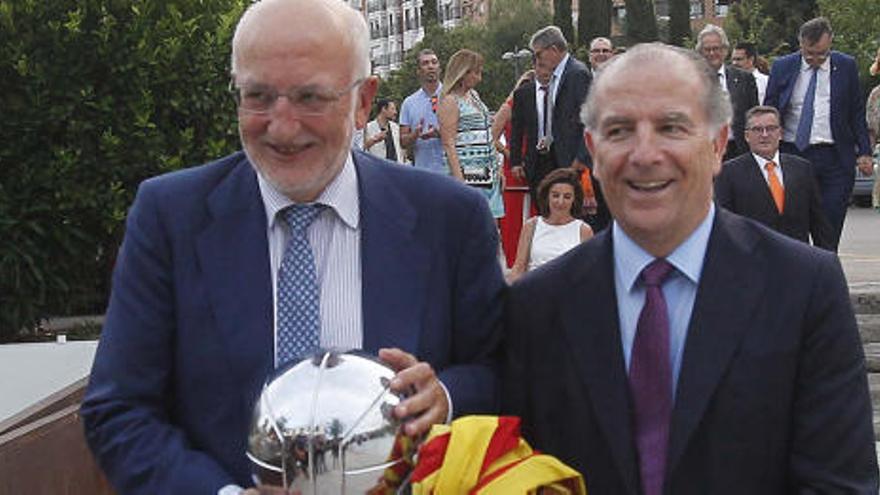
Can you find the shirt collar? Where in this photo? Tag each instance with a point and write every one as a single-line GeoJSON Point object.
{"type": "Point", "coordinates": [560, 67]}
{"type": "Point", "coordinates": [340, 195]}
{"type": "Point", "coordinates": [826, 65]}
{"type": "Point", "coordinates": [630, 258]}
{"type": "Point", "coordinates": [436, 93]}
{"type": "Point", "coordinates": [763, 161]}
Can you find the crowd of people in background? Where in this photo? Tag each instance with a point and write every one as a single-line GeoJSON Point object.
{"type": "Point", "coordinates": [536, 129]}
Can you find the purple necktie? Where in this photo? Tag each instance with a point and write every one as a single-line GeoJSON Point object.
{"type": "Point", "coordinates": [650, 379]}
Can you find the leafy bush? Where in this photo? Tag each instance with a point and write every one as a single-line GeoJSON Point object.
{"type": "Point", "coordinates": [96, 96]}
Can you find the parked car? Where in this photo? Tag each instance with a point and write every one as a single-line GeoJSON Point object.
{"type": "Point", "coordinates": [864, 185]}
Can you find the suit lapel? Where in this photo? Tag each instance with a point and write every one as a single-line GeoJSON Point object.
{"type": "Point", "coordinates": [592, 329]}
{"type": "Point", "coordinates": [234, 255]}
{"type": "Point", "coordinates": [394, 263]}
{"type": "Point", "coordinates": [731, 285]}
{"type": "Point", "coordinates": [756, 182]}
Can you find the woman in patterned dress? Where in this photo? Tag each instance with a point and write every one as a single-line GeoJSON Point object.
{"type": "Point", "coordinates": [466, 129]}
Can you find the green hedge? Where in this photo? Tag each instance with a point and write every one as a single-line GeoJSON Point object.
{"type": "Point", "coordinates": [97, 95]}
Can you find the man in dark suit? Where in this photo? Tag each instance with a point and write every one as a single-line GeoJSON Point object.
{"type": "Point", "coordinates": [778, 190]}
{"type": "Point", "coordinates": [686, 350]}
{"type": "Point", "coordinates": [526, 159]}
{"type": "Point", "coordinates": [218, 284]}
{"type": "Point", "coordinates": [818, 94]}
{"type": "Point", "coordinates": [558, 128]}
{"type": "Point", "coordinates": [713, 44]}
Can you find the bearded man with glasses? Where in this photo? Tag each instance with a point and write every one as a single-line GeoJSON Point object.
{"type": "Point", "coordinates": [820, 99]}
{"type": "Point", "coordinates": [232, 270]}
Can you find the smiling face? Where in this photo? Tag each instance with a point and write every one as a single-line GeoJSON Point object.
{"type": "Point", "coordinates": [653, 151]}
{"type": "Point", "coordinates": [300, 154]}
{"type": "Point", "coordinates": [713, 50]}
{"type": "Point", "coordinates": [559, 200]}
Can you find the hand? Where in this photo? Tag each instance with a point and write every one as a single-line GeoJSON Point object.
{"type": "Point", "coordinates": [430, 132]}
{"type": "Point", "coordinates": [519, 172]}
{"type": "Point", "coordinates": [866, 165]}
{"type": "Point", "coordinates": [375, 138]}
{"type": "Point", "coordinates": [426, 404]}
{"type": "Point", "coordinates": [590, 205]}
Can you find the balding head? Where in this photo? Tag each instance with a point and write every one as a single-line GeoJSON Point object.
{"type": "Point", "coordinates": [642, 61]}
{"type": "Point", "coordinates": [289, 21]}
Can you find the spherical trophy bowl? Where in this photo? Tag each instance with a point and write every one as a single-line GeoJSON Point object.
{"type": "Point", "coordinates": [325, 426]}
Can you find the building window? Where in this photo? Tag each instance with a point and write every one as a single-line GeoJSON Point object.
{"type": "Point", "coordinates": [721, 7]}
{"type": "Point", "coordinates": [697, 10]}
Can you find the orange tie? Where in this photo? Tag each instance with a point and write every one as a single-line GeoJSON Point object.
{"type": "Point", "coordinates": [775, 187]}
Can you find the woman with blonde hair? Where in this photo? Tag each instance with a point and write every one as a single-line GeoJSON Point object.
{"type": "Point", "coordinates": [466, 129]}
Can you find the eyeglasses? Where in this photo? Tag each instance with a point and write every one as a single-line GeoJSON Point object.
{"type": "Point", "coordinates": [601, 50]}
{"type": "Point", "coordinates": [713, 49]}
{"type": "Point", "coordinates": [737, 59]}
{"type": "Point", "coordinates": [763, 129]}
{"type": "Point", "coordinates": [307, 100]}
{"type": "Point", "coordinates": [434, 100]}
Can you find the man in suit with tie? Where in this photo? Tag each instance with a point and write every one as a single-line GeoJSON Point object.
{"type": "Point", "coordinates": [818, 94]}
{"type": "Point", "coordinates": [739, 85]}
{"type": "Point", "coordinates": [527, 160]}
{"type": "Point", "coordinates": [234, 269]}
{"type": "Point", "coordinates": [686, 350]}
{"type": "Point", "coordinates": [559, 130]}
{"type": "Point", "coordinates": [778, 190]}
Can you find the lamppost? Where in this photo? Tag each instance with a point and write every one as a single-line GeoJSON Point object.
{"type": "Point", "coordinates": [516, 55]}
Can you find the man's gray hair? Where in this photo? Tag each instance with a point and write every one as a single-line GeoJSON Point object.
{"type": "Point", "coordinates": [712, 29]}
{"type": "Point", "coordinates": [599, 39]}
{"type": "Point", "coordinates": [714, 100]}
{"type": "Point", "coordinates": [813, 30]}
{"type": "Point", "coordinates": [547, 37]}
{"type": "Point", "coordinates": [357, 27]}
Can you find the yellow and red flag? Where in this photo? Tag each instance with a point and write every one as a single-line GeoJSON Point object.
{"type": "Point", "coordinates": [485, 455]}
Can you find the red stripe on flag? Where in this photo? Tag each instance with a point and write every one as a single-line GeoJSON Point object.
{"type": "Point", "coordinates": [488, 479]}
{"type": "Point", "coordinates": [430, 457]}
{"type": "Point", "coordinates": [505, 439]}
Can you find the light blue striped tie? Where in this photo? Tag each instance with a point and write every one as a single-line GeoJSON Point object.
{"type": "Point", "coordinates": [299, 315]}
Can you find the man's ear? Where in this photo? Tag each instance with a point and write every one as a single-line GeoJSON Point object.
{"type": "Point", "coordinates": [364, 103]}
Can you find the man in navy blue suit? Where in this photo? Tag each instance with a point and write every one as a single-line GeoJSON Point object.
{"type": "Point", "coordinates": [686, 350]}
{"type": "Point", "coordinates": [402, 263]}
{"type": "Point", "coordinates": [818, 94]}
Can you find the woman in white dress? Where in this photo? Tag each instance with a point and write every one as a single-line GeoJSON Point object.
{"type": "Point", "coordinates": [557, 229]}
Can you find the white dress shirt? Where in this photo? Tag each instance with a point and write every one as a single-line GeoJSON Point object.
{"type": "Point", "coordinates": [762, 166]}
{"type": "Point", "coordinates": [821, 130]}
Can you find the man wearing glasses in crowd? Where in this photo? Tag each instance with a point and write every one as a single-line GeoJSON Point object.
{"type": "Point", "coordinates": [818, 94]}
{"type": "Point", "coordinates": [234, 269]}
{"type": "Point", "coordinates": [419, 128]}
{"type": "Point", "coordinates": [601, 51]}
{"type": "Point", "coordinates": [776, 189]}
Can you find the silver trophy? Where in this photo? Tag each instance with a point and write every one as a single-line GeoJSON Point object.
{"type": "Point", "coordinates": [325, 426]}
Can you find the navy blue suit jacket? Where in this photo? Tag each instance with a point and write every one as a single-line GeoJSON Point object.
{"type": "Point", "coordinates": [848, 126]}
{"type": "Point", "coordinates": [772, 397]}
{"type": "Point", "coordinates": [188, 339]}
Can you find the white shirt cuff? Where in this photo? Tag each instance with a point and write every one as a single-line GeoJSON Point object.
{"type": "Point", "coordinates": [230, 490]}
{"type": "Point", "coordinates": [448, 401]}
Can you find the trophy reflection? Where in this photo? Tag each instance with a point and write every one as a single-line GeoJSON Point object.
{"type": "Point", "coordinates": [325, 426]}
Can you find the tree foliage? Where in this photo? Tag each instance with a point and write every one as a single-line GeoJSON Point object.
{"type": "Point", "coordinates": [856, 26]}
{"type": "Point", "coordinates": [562, 18]}
{"type": "Point", "coordinates": [511, 24]}
{"type": "Point", "coordinates": [594, 20]}
{"type": "Point", "coordinates": [641, 23]}
{"type": "Point", "coordinates": [771, 24]}
{"type": "Point", "coordinates": [96, 96]}
{"type": "Point", "coordinates": [679, 22]}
